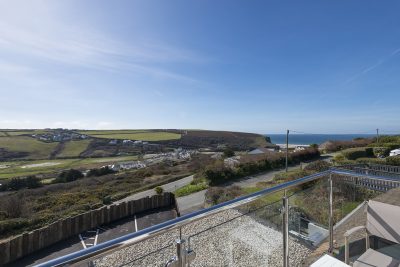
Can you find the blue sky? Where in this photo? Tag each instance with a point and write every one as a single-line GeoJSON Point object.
{"type": "Point", "coordinates": [257, 66]}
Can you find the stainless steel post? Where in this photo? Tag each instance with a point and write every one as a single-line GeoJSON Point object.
{"type": "Point", "coordinates": [180, 252]}
{"type": "Point", "coordinates": [285, 230]}
{"type": "Point", "coordinates": [287, 149]}
{"type": "Point", "coordinates": [330, 213]}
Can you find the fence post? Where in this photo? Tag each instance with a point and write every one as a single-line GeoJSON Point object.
{"type": "Point", "coordinates": [330, 213]}
{"type": "Point", "coordinates": [285, 230]}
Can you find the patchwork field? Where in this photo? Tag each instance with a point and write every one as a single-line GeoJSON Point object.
{"type": "Point", "coordinates": [73, 149]}
{"type": "Point", "coordinates": [25, 168]}
{"type": "Point", "coordinates": [35, 148]}
{"type": "Point", "coordinates": [22, 132]}
{"type": "Point", "coordinates": [134, 135]}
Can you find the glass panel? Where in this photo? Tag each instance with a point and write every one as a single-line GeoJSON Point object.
{"type": "Point", "coordinates": [308, 222]}
{"type": "Point", "coordinates": [156, 251]}
{"type": "Point", "coordinates": [246, 236]}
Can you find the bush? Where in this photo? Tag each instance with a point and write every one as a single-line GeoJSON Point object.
{"type": "Point", "coordinates": [216, 195]}
{"type": "Point", "coordinates": [355, 153]}
{"type": "Point", "coordinates": [190, 189]}
{"type": "Point", "coordinates": [107, 200]}
{"type": "Point", "coordinates": [315, 146]}
{"type": "Point", "coordinates": [228, 152]}
{"type": "Point", "coordinates": [370, 161]}
{"type": "Point", "coordinates": [217, 174]}
{"type": "Point", "coordinates": [381, 151]}
{"type": "Point", "coordinates": [394, 160]}
{"type": "Point", "coordinates": [318, 166]}
{"type": "Point", "coordinates": [100, 172]}
{"type": "Point", "coordinates": [27, 182]}
{"type": "Point", "coordinates": [159, 190]}
{"type": "Point", "coordinates": [12, 225]}
{"type": "Point", "coordinates": [69, 176]}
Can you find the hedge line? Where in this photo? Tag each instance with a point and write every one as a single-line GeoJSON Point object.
{"type": "Point", "coordinates": [218, 173]}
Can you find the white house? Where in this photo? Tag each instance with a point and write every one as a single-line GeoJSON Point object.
{"type": "Point", "coordinates": [395, 152]}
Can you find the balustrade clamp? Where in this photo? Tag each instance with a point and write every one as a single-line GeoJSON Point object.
{"type": "Point", "coordinates": [183, 256]}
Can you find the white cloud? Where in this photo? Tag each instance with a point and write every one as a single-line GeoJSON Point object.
{"type": "Point", "coordinates": [38, 32]}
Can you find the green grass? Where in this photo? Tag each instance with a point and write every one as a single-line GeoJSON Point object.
{"type": "Point", "coordinates": [73, 149]}
{"type": "Point", "coordinates": [106, 132]}
{"type": "Point", "coordinates": [15, 168]}
{"type": "Point", "coordinates": [190, 189]}
{"type": "Point", "coordinates": [22, 132]}
{"type": "Point", "coordinates": [35, 148]}
{"type": "Point", "coordinates": [134, 135]}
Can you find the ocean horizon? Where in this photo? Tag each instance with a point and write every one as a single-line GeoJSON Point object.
{"type": "Point", "coordinates": [306, 139]}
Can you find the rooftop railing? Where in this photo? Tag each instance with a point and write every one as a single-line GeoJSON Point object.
{"type": "Point", "coordinates": [256, 229]}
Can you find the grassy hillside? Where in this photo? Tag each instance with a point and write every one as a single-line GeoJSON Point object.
{"type": "Point", "coordinates": [25, 168]}
{"type": "Point", "coordinates": [214, 139]}
{"type": "Point", "coordinates": [20, 132]}
{"type": "Point", "coordinates": [145, 135]}
{"type": "Point", "coordinates": [35, 148]}
{"type": "Point", "coordinates": [73, 149]}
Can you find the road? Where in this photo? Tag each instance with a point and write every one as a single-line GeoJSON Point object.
{"type": "Point", "coordinates": [192, 202]}
{"type": "Point", "coordinates": [169, 187]}
{"type": "Point", "coordinates": [195, 201]}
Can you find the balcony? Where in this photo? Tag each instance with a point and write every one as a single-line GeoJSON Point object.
{"type": "Point", "coordinates": [297, 223]}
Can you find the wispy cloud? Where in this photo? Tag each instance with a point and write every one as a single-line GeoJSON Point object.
{"type": "Point", "coordinates": [372, 67]}
{"type": "Point", "coordinates": [50, 40]}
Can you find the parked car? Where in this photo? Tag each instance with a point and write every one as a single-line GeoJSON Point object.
{"type": "Point", "coordinates": [395, 152]}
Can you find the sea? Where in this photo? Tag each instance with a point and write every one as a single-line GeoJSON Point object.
{"type": "Point", "coordinates": [306, 139]}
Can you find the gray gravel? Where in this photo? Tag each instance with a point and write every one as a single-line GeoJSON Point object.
{"type": "Point", "coordinates": [243, 241]}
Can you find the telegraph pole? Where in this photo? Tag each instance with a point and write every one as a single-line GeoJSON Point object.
{"type": "Point", "coordinates": [287, 149]}
{"type": "Point", "coordinates": [377, 136]}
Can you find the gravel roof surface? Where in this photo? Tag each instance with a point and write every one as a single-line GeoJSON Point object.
{"type": "Point", "coordinates": [244, 241]}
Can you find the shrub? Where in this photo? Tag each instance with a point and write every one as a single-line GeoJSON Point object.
{"type": "Point", "coordinates": [12, 225]}
{"type": "Point", "coordinates": [159, 190]}
{"type": "Point", "coordinates": [228, 152]}
{"type": "Point", "coordinates": [189, 189]}
{"type": "Point", "coordinates": [370, 161]}
{"type": "Point", "coordinates": [355, 153]}
{"type": "Point", "coordinates": [27, 182]}
{"type": "Point", "coordinates": [69, 176]}
{"type": "Point", "coordinates": [318, 166]}
{"type": "Point", "coordinates": [315, 146]}
{"type": "Point", "coordinates": [216, 195]}
{"type": "Point", "coordinates": [142, 173]}
{"type": "Point", "coordinates": [381, 151]}
{"type": "Point", "coordinates": [107, 200]}
{"type": "Point", "coordinates": [394, 160]}
{"type": "Point", "coordinates": [100, 172]}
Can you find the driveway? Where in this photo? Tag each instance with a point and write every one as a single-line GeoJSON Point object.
{"type": "Point", "coordinates": [192, 202]}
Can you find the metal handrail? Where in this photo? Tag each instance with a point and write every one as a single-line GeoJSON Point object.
{"type": "Point", "coordinates": [130, 239]}
{"type": "Point", "coordinates": [150, 232]}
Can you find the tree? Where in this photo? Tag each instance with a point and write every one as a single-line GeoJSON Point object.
{"type": "Point", "coordinates": [32, 182]}
{"type": "Point", "coordinates": [69, 176]}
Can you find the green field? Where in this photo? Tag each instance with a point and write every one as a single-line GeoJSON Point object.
{"type": "Point", "coordinates": [22, 132]}
{"type": "Point", "coordinates": [24, 168]}
{"type": "Point", "coordinates": [133, 135]}
{"type": "Point", "coordinates": [35, 148]}
{"type": "Point", "coordinates": [73, 149]}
